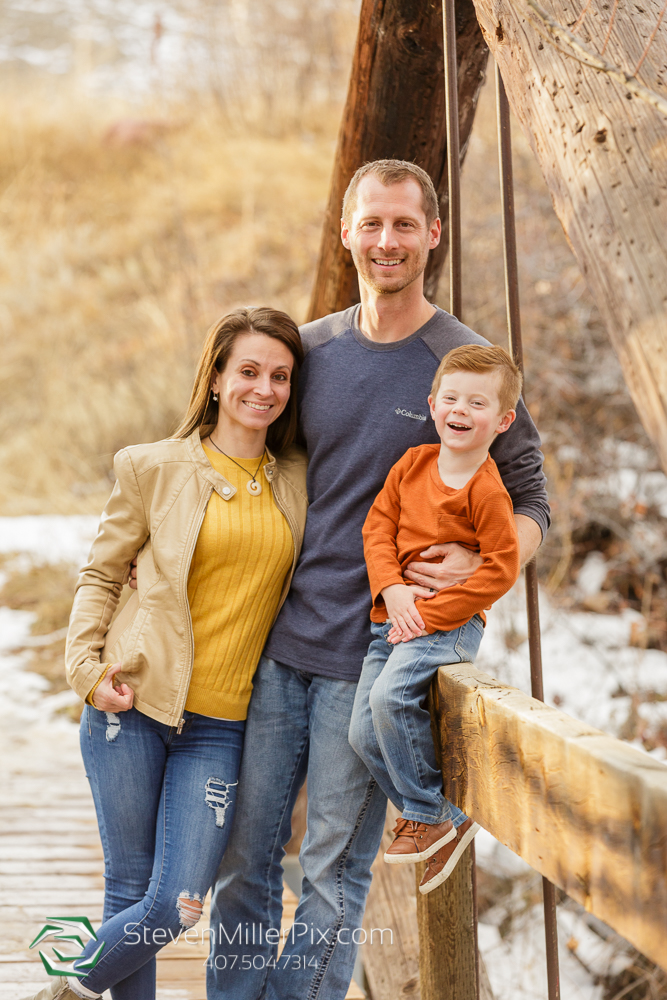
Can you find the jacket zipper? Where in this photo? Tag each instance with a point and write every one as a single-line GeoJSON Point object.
{"type": "Point", "coordinates": [194, 536]}
{"type": "Point", "coordinates": [293, 531]}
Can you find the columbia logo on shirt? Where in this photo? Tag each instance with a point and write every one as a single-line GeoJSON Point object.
{"type": "Point", "coordinates": [408, 413]}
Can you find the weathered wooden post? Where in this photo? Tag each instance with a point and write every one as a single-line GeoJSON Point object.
{"type": "Point", "coordinates": [602, 154]}
{"type": "Point", "coordinates": [447, 947]}
{"type": "Point", "coordinates": [396, 108]}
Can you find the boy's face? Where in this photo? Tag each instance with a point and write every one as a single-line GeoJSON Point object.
{"type": "Point", "coordinates": [466, 410]}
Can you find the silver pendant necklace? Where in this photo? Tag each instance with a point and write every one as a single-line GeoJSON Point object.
{"type": "Point", "coordinates": [253, 487]}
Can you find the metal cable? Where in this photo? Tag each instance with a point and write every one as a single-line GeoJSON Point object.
{"type": "Point", "coordinates": [532, 599]}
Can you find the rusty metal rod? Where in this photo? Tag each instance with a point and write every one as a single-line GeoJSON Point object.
{"type": "Point", "coordinates": [509, 228]}
{"type": "Point", "coordinates": [453, 159]}
{"type": "Point", "coordinates": [534, 637]}
{"type": "Point", "coordinates": [532, 599]}
{"type": "Point", "coordinates": [455, 271]}
{"type": "Point", "coordinates": [551, 935]}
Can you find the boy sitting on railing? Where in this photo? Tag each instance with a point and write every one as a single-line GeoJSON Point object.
{"type": "Point", "coordinates": [447, 493]}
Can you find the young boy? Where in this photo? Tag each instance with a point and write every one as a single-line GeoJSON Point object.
{"type": "Point", "coordinates": [447, 493]}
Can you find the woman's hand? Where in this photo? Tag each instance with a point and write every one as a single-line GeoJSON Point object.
{"type": "Point", "coordinates": [401, 610]}
{"type": "Point", "coordinates": [108, 697]}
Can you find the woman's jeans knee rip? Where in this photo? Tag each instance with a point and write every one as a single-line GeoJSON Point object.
{"type": "Point", "coordinates": [165, 803]}
{"type": "Point", "coordinates": [189, 908]}
{"type": "Point", "coordinates": [391, 724]}
{"type": "Point", "coordinates": [113, 726]}
{"type": "Point", "coordinates": [218, 797]}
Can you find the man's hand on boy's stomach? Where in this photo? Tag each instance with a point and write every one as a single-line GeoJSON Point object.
{"type": "Point", "coordinates": [456, 566]}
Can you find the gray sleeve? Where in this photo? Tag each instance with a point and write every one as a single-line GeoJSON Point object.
{"type": "Point", "coordinates": [320, 331]}
{"type": "Point", "coordinates": [519, 459]}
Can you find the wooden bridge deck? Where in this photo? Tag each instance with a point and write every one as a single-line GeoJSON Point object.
{"type": "Point", "coordinates": [51, 860]}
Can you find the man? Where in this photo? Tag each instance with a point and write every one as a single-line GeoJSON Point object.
{"type": "Point", "coordinates": [363, 403]}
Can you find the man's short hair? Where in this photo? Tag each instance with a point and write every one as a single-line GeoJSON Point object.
{"type": "Point", "coordinates": [390, 172]}
{"type": "Point", "coordinates": [480, 359]}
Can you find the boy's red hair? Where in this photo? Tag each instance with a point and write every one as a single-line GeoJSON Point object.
{"type": "Point", "coordinates": [481, 359]}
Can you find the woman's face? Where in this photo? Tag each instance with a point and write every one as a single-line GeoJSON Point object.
{"type": "Point", "coordinates": [254, 387]}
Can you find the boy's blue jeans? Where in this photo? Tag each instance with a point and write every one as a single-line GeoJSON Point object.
{"type": "Point", "coordinates": [165, 804]}
{"type": "Point", "coordinates": [391, 724]}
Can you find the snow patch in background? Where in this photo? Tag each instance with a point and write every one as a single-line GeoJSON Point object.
{"type": "Point", "coordinates": [60, 36]}
{"type": "Point", "coordinates": [590, 670]}
{"type": "Point", "coordinates": [35, 540]}
{"type": "Point", "coordinates": [49, 538]}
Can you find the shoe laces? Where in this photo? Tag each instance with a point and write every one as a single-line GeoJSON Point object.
{"type": "Point", "coordinates": [408, 826]}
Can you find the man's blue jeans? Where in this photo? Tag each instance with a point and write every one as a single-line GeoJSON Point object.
{"type": "Point", "coordinates": [165, 803]}
{"type": "Point", "coordinates": [297, 727]}
{"type": "Point", "coordinates": [391, 724]}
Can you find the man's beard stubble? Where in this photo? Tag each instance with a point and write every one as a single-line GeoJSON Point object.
{"type": "Point", "coordinates": [362, 264]}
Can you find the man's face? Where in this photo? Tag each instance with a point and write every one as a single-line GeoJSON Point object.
{"type": "Point", "coordinates": [388, 234]}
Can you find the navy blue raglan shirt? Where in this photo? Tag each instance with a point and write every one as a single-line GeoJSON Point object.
{"type": "Point", "coordinates": [362, 404]}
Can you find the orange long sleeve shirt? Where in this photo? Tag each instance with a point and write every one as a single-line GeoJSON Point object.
{"type": "Point", "coordinates": [415, 509]}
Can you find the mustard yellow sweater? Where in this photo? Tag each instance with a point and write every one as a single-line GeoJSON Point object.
{"type": "Point", "coordinates": [243, 552]}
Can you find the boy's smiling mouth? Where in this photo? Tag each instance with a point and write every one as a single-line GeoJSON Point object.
{"type": "Point", "coordinates": [458, 427]}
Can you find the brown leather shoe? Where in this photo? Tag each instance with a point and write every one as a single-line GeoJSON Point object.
{"type": "Point", "coordinates": [417, 841]}
{"type": "Point", "coordinates": [443, 863]}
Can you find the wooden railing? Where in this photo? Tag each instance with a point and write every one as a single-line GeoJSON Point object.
{"type": "Point", "coordinates": [585, 810]}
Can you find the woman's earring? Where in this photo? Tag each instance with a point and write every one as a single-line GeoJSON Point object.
{"type": "Point", "coordinates": [215, 396]}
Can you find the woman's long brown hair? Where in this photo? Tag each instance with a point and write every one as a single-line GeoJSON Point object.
{"type": "Point", "coordinates": [203, 411]}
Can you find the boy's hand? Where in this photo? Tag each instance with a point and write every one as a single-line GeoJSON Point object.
{"type": "Point", "coordinates": [394, 636]}
{"type": "Point", "coordinates": [133, 574]}
{"type": "Point", "coordinates": [401, 611]}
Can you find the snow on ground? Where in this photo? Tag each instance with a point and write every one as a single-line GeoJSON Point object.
{"type": "Point", "coordinates": [590, 671]}
{"type": "Point", "coordinates": [39, 540]}
{"type": "Point", "coordinates": [516, 962]}
{"type": "Point", "coordinates": [49, 538]}
{"type": "Point", "coordinates": [593, 674]}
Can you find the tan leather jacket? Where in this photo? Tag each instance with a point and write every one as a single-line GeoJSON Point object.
{"type": "Point", "coordinates": [156, 509]}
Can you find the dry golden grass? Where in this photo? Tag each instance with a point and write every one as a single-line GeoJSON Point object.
{"type": "Point", "coordinates": [114, 260]}
{"type": "Point", "coordinates": [45, 590]}
{"type": "Point", "coordinates": [113, 263]}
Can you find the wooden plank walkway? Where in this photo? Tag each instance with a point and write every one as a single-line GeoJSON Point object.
{"type": "Point", "coordinates": [51, 860]}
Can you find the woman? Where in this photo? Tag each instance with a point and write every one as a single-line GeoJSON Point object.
{"type": "Point", "coordinates": [218, 521]}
